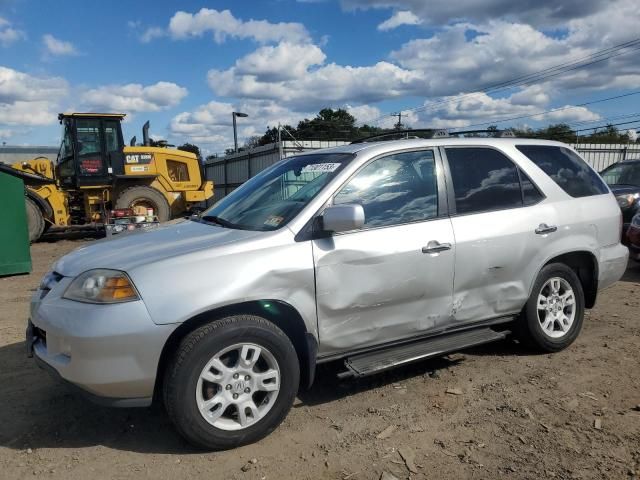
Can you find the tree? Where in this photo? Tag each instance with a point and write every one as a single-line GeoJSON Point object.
{"type": "Point", "coordinates": [329, 124]}
{"type": "Point", "coordinates": [609, 134]}
{"type": "Point", "coordinates": [252, 142]}
{"type": "Point", "coordinates": [190, 147]}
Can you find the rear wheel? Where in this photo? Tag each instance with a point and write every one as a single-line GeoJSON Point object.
{"type": "Point", "coordinates": [148, 197]}
{"type": "Point", "coordinates": [553, 315]}
{"type": "Point", "coordinates": [231, 382]}
{"type": "Point", "coordinates": [35, 220]}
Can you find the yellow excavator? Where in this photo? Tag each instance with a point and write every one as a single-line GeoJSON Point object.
{"type": "Point", "coordinates": [95, 173]}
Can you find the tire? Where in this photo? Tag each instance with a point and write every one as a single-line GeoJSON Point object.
{"type": "Point", "coordinates": [185, 392]}
{"type": "Point", "coordinates": [553, 324]}
{"type": "Point", "coordinates": [35, 220]}
{"type": "Point", "coordinates": [147, 196]}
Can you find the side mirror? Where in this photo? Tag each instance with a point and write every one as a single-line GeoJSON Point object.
{"type": "Point", "coordinates": [342, 218]}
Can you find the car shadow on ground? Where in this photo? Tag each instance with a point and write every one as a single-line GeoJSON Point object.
{"type": "Point", "coordinates": [41, 412]}
{"type": "Point", "coordinates": [632, 274]}
{"type": "Point", "coordinates": [55, 235]}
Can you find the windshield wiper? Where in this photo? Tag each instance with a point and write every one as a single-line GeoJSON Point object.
{"type": "Point", "coordinates": [220, 221]}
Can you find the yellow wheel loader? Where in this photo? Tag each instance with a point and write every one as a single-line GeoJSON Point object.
{"type": "Point", "coordinates": [95, 173]}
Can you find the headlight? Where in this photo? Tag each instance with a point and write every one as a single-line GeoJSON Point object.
{"type": "Point", "coordinates": [625, 201]}
{"type": "Point", "coordinates": [101, 286]}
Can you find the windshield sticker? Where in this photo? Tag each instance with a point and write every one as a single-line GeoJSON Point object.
{"type": "Point", "coordinates": [273, 221]}
{"type": "Point", "coordinates": [321, 167]}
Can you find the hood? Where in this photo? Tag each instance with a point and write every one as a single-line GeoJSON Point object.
{"type": "Point", "coordinates": [131, 250]}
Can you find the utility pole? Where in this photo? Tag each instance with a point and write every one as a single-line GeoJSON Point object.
{"type": "Point", "coordinates": [398, 126]}
{"type": "Point", "coordinates": [280, 152]}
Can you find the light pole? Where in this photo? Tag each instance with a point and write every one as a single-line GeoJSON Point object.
{"type": "Point", "coordinates": [235, 131]}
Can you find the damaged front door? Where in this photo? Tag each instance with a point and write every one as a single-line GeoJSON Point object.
{"type": "Point", "coordinates": [393, 278]}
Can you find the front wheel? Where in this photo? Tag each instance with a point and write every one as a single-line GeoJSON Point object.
{"type": "Point", "coordinates": [147, 197]}
{"type": "Point", "coordinates": [553, 315]}
{"type": "Point", "coordinates": [35, 220]}
{"type": "Point", "coordinates": [231, 382]}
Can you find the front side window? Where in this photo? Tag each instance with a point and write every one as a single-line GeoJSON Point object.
{"type": "Point", "coordinates": [66, 147]}
{"type": "Point", "coordinates": [392, 190]}
{"type": "Point", "coordinates": [566, 169]}
{"type": "Point", "coordinates": [89, 147]}
{"type": "Point", "coordinates": [622, 174]}
{"type": "Point", "coordinates": [276, 195]}
{"type": "Point", "coordinates": [65, 155]}
{"type": "Point", "coordinates": [483, 180]}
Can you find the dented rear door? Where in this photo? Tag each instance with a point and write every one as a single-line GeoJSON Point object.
{"type": "Point", "coordinates": [498, 215]}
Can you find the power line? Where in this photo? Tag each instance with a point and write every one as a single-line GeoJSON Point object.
{"type": "Point", "coordinates": [534, 77]}
{"type": "Point", "coordinates": [553, 110]}
{"type": "Point", "coordinates": [606, 119]}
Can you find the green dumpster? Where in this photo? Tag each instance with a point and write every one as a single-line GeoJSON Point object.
{"type": "Point", "coordinates": [14, 232]}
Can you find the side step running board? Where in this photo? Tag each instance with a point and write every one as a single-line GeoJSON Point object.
{"type": "Point", "coordinates": [377, 361]}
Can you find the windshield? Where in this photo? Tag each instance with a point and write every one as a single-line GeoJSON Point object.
{"type": "Point", "coordinates": [272, 198]}
{"type": "Point", "coordinates": [622, 174]}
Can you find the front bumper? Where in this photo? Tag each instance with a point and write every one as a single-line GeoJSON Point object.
{"type": "Point", "coordinates": [612, 264]}
{"type": "Point", "coordinates": [111, 352]}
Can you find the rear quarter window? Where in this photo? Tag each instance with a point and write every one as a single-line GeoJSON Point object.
{"type": "Point", "coordinates": [566, 168]}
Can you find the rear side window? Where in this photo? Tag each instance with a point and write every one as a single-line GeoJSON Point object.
{"type": "Point", "coordinates": [483, 180]}
{"type": "Point", "coordinates": [565, 168]}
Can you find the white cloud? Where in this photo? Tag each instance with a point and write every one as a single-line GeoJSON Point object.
{"type": "Point", "coordinates": [151, 34]}
{"type": "Point", "coordinates": [312, 84]}
{"type": "Point", "coordinates": [29, 100]}
{"type": "Point", "coordinates": [55, 46]}
{"type": "Point", "coordinates": [134, 97]}
{"type": "Point", "coordinates": [211, 124]}
{"type": "Point", "coordinates": [223, 24]}
{"type": "Point", "coordinates": [8, 34]}
{"type": "Point", "coordinates": [401, 17]}
{"type": "Point", "coordinates": [364, 113]}
{"type": "Point", "coordinates": [501, 51]}
{"type": "Point", "coordinates": [283, 62]}
{"type": "Point", "coordinates": [535, 12]}
{"type": "Point", "coordinates": [460, 57]}
{"type": "Point", "coordinates": [463, 110]}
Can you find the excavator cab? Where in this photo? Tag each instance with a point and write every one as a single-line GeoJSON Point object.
{"type": "Point", "coordinates": [91, 152]}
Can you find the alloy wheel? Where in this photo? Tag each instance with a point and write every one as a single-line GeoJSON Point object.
{"type": "Point", "coordinates": [556, 307]}
{"type": "Point", "coordinates": [238, 386]}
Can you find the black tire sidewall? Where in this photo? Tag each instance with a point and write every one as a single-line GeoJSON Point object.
{"type": "Point", "coordinates": [533, 330]}
{"type": "Point", "coordinates": [180, 389]}
{"type": "Point", "coordinates": [35, 220]}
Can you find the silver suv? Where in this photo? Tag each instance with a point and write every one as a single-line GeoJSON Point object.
{"type": "Point", "coordinates": [373, 254]}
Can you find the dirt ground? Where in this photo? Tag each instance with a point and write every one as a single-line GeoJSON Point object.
{"type": "Point", "coordinates": [508, 414]}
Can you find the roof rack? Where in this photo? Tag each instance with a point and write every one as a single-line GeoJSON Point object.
{"type": "Point", "coordinates": [428, 133]}
{"type": "Point", "coordinates": [405, 134]}
{"type": "Point", "coordinates": [494, 133]}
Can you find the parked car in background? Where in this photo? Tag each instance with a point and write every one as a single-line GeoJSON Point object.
{"type": "Point", "coordinates": [623, 179]}
{"type": "Point", "coordinates": [372, 254]}
{"type": "Point", "coordinates": [632, 238]}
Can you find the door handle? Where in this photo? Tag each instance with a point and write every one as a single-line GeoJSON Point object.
{"type": "Point", "coordinates": [436, 247]}
{"type": "Point", "coordinates": [543, 229]}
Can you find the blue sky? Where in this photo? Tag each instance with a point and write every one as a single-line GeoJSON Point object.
{"type": "Point", "coordinates": [186, 65]}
